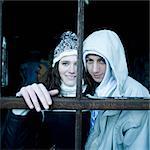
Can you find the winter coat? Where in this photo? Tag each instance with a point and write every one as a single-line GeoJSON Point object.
{"type": "Point", "coordinates": [116, 129]}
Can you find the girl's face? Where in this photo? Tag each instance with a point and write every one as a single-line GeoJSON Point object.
{"type": "Point", "coordinates": [96, 67]}
{"type": "Point", "coordinates": [68, 70]}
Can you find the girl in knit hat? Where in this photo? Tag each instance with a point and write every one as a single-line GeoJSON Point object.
{"type": "Point", "coordinates": [58, 124]}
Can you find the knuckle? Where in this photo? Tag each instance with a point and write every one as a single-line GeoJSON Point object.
{"type": "Point", "coordinates": [40, 84]}
{"type": "Point", "coordinates": [34, 85]}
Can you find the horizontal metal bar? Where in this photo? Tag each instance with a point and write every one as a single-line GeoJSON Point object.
{"type": "Point", "coordinates": [83, 103]}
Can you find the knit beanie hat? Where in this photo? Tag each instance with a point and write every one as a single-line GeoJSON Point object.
{"type": "Point", "coordinates": [68, 46]}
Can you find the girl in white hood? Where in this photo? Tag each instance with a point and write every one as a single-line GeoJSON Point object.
{"type": "Point", "coordinates": [107, 74]}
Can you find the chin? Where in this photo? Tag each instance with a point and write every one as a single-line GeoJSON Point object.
{"type": "Point", "coordinates": [70, 84]}
{"type": "Point", "coordinates": [97, 80]}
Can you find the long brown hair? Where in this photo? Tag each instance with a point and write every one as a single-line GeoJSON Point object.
{"type": "Point", "coordinates": [52, 79]}
{"type": "Point", "coordinates": [91, 84]}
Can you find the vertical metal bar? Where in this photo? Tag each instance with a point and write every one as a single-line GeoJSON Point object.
{"type": "Point", "coordinates": [80, 33]}
{"type": "Point", "coordinates": [78, 130]}
{"type": "Point", "coordinates": [1, 2]}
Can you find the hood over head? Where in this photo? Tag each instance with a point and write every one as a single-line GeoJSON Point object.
{"type": "Point", "coordinates": [107, 44]}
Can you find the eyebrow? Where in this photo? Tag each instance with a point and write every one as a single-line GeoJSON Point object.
{"type": "Point", "coordinates": [88, 58]}
{"type": "Point", "coordinates": [102, 59]}
{"type": "Point", "coordinates": [65, 61]}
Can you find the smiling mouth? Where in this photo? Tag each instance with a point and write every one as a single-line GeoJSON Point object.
{"type": "Point", "coordinates": [71, 77]}
{"type": "Point", "coordinates": [97, 76]}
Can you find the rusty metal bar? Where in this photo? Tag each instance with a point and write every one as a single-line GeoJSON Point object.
{"type": "Point", "coordinates": [83, 104]}
{"type": "Point", "coordinates": [78, 130]}
{"type": "Point", "coordinates": [80, 33]}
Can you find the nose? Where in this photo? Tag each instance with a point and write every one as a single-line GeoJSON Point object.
{"type": "Point", "coordinates": [95, 67]}
{"type": "Point", "coordinates": [72, 68]}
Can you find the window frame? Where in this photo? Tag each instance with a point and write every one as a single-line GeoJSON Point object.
{"type": "Point", "coordinates": [77, 103]}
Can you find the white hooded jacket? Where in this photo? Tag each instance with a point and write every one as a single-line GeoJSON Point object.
{"type": "Point", "coordinates": [116, 129]}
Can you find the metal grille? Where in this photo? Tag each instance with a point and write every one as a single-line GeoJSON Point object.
{"type": "Point", "coordinates": [79, 103]}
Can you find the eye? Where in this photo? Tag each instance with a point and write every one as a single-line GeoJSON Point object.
{"type": "Point", "coordinates": [89, 61]}
{"type": "Point", "coordinates": [75, 63]}
{"type": "Point", "coordinates": [101, 61]}
{"type": "Point", "coordinates": [65, 63]}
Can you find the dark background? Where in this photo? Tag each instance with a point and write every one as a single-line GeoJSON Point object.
{"type": "Point", "coordinates": [32, 29]}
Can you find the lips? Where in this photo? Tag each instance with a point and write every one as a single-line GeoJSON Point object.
{"type": "Point", "coordinates": [71, 77]}
{"type": "Point", "coordinates": [97, 76]}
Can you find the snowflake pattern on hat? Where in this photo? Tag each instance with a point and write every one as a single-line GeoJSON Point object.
{"type": "Point", "coordinates": [68, 41]}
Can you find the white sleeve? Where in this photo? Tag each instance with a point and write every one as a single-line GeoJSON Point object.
{"type": "Point", "coordinates": [21, 112]}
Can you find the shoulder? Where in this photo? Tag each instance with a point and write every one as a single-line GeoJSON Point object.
{"type": "Point", "coordinates": [134, 88]}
